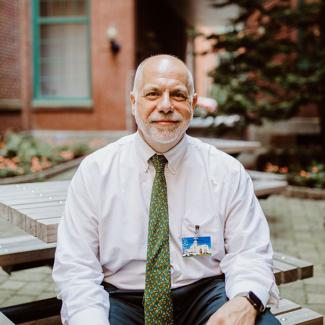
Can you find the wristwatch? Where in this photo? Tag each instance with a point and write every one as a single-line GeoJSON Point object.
{"type": "Point", "coordinates": [255, 301]}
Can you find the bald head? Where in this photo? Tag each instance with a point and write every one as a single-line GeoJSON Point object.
{"type": "Point", "coordinates": [159, 64]}
{"type": "Point", "coordinates": [163, 101]}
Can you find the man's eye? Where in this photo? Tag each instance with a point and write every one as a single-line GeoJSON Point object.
{"type": "Point", "coordinates": [152, 94]}
{"type": "Point", "coordinates": [179, 96]}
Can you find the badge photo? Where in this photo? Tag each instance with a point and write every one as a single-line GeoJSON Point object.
{"type": "Point", "coordinates": [196, 246]}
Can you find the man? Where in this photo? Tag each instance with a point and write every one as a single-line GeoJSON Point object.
{"type": "Point", "coordinates": [160, 228]}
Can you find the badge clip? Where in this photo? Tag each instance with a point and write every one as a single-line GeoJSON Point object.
{"type": "Point", "coordinates": [197, 228]}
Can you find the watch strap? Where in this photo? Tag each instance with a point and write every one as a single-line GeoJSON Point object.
{"type": "Point", "coordinates": [255, 301]}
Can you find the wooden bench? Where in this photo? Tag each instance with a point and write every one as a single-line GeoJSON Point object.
{"type": "Point", "coordinates": [232, 147]}
{"type": "Point", "coordinates": [266, 184]}
{"type": "Point", "coordinates": [287, 312]}
{"type": "Point", "coordinates": [37, 208]}
{"type": "Point", "coordinates": [32, 311]}
{"type": "Point", "coordinates": [22, 251]}
{"type": "Point", "coordinates": [288, 269]}
{"type": "Point", "coordinates": [255, 174]}
{"type": "Point", "coordinates": [25, 251]}
{"type": "Point", "coordinates": [290, 313]}
{"type": "Point", "coordinates": [264, 188]}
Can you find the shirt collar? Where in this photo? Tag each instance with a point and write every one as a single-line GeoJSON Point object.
{"type": "Point", "coordinates": [174, 155]}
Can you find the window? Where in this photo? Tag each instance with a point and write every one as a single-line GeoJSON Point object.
{"type": "Point", "coordinates": [61, 49]}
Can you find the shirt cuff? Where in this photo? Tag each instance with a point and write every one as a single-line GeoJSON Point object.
{"type": "Point", "coordinates": [241, 288]}
{"type": "Point", "coordinates": [94, 316]}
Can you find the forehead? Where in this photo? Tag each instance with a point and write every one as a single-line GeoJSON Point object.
{"type": "Point", "coordinates": [164, 72]}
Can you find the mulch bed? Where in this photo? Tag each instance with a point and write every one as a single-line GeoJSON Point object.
{"type": "Point", "coordinates": [42, 175]}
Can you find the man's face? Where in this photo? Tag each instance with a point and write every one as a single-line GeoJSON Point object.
{"type": "Point", "coordinates": [162, 105]}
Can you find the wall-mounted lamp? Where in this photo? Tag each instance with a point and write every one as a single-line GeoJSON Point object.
{"type": "Point", "coordinates": [111, 34]}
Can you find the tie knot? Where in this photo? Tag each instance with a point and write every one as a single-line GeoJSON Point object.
{"type": "Point", "coordinates": [159, 162]}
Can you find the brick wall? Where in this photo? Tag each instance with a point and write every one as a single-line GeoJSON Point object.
{"type": "Point", "coordinates": [110, 74]}
{"type": "Point", "coordinates": [10, 50]}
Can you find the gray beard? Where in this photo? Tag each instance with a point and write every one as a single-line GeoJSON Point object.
{"type": "Point", "coordinates": [161, 137]}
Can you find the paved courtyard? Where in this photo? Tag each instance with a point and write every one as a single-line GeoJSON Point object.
{"type": "Point", "coordinates": [297, 228]}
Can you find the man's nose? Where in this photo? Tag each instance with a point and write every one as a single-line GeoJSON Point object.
{"type": "Point", "coordinates": [165, 104]}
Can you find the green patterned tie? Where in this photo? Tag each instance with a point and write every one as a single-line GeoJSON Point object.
{"type": "Point", "coordinates": [158, 306]}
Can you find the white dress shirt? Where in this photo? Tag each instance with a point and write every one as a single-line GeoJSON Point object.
{"type": "Point", "coordinates": [103, 234]}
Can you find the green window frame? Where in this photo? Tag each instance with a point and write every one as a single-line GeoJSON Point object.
{"type": "Point", "coordinates": [38, 22]}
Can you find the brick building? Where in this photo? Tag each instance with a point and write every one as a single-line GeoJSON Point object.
{"type": "Point", "coordinates": [10, 66]}
{"type": "Point", "coordinates": [58, 69]}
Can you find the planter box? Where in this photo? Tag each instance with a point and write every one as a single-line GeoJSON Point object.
{"type": "Point", "coordinates": [44, 174]}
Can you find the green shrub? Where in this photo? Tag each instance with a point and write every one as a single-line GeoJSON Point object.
{"type": "Point", "coordinates": [314, 176]}
{"type": "Point", "coordinates": [21, 154]}
{"type": "Point", "coordinates": [302, 166]}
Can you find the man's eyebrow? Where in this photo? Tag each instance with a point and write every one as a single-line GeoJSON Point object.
{"type": "Point", "coordinates": [180, 88]}
{"type": "Point", "coordinates": [150, 87]}
{"type": "Point", "coordinates": [157, 88]}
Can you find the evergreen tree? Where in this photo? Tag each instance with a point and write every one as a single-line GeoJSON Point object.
{"type": "Point", "coordinates": [272, 60]}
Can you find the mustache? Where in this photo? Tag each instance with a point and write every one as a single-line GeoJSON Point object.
{"type": "Point", "coordinates": [165, 117]}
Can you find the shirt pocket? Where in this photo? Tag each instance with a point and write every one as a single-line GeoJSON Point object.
{"type": "Point", "coordinates": [206, 226]}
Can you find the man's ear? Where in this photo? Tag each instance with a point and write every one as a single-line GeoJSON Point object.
{"type": "Point", "coordinates": [194, 101]}
{"type": "Point", "coordinates": [132, 100]}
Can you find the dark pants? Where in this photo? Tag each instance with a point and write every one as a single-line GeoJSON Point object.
{"type": "Point", "coordinates": [193, 304]}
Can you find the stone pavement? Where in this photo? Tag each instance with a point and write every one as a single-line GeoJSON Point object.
{"type": "Point", "coordinates": [297, 228]}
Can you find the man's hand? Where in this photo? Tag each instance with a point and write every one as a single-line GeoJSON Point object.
{"type": "Point", "coordinates": [237, 311]}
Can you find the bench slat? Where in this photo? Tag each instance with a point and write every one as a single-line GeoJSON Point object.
{"type": "Point", "coordinates": [30, 206]}
{"type": "Point", "coordinates": [27, 244]}
{"type": "Point", "coordinates": [301, 316]}
{"type": "Point", "coordinates": [47, 229]}
{"type": "Point", "coordinates": [33, 193]}
{"type": "Point", "coordinates": [24, 249]}
{"type": "Point", "coordinates": [277, 275]}
{"type": "Point", "coordinates": [267, 187]}
{"type": "Point", "coordinates": [284, 306]}
{"type": "Point", "coordinates": [232, 146]}
{"type": "Point", "coordinates": [27, 257]}
{"type": "Point", "coordinates": [20, 201]}
{"type": "Point", "coordinates": [255, 174]}
{"type": "Point", "coordinates": [37, 186]}
{"type": "Point", "coordinates": [305, 269]}
{"type": "Point", "coordinates": [13, 239]}
{"type": "Point", "coordinates": [288, 272]}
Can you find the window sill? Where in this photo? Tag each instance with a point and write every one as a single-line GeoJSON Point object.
{"type": "Point", "coordinates": [10, 105]}
{"type": "Point", "coordinates": [44, 104]}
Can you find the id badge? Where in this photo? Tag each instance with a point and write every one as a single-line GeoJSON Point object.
{"type": "Point", "coordinates": [196, 246]}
